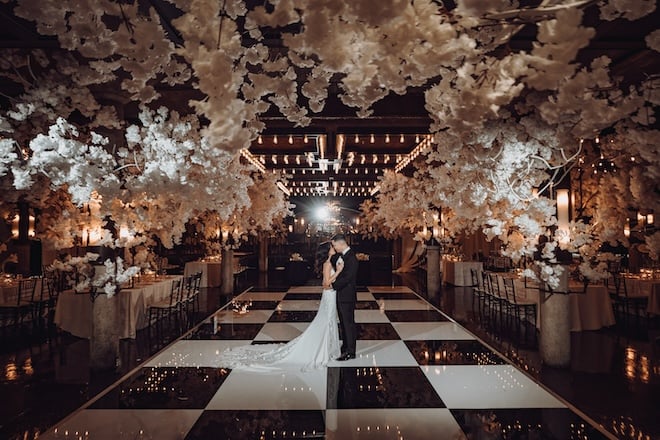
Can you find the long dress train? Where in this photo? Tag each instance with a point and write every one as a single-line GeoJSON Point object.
{"type": "Point", "coordinates": [312, 349]}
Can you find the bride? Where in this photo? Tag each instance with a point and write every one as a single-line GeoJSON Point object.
{"type": "Point", "coordinates": [315, 347]}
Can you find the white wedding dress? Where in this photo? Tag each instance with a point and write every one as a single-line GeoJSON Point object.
{"type": "Point", "coordinates": [312, 349]}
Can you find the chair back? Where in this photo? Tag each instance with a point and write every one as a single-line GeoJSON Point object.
{"type": "Point", "coordinates": [474, 277]}
{"type": "Point", "coordinates": [485, 281]}
{"type": "Point", "coordinates": [26, 288]}
{"type": "Point", "coordinates": [494, 285]}
{"type": "Point", "coordinates": [198, 282]}
{"type": "Point", "coordinates": [175, 292]}
{"type": "Point", "coordinates": [510, 289]}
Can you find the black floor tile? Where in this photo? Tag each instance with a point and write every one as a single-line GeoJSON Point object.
{"type": "Point", "coordinates": [366, 305]}
{"type": "Point", "coordinates": [415, 316]}
{"type": "Point", "coordinates": [376, 331]}
{"type": "Point", "coordinates": [258, 424]}
{"type": "Point", "coordinates": [292, 316]}
{"type": "Point", "coordinates": [226, 331]}
{"type": "Point", "coordinates": [394, 295]}
{"type": "Point", "coordinates": [380, 387]}
{"type": "Point", "coordinates": [165, 387]}
{"type": "Point", "coordinates": [453, 353]}
{"type": "Point", "coordinates": [270, 289]}
{"type": "Point", "coordinates": [545, 424]}
{"type": "Point", "coordinates": [302, 296]}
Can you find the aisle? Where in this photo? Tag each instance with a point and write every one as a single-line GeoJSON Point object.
{"type": "Point", "coordinates": [417, 375]}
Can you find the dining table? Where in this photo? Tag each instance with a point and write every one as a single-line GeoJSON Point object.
{"type": "Point", "coordinates": [211, 272]}
{"type": "Point", "coordinates": [9, 290]}
{"type": "Point", "coordinates": [589, 309]}
{"type": "Point", "coordinates": [644, 287]}
{"type": "Point", "coordinates": [73, 312]}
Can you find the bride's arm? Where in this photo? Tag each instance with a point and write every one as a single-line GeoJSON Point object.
{"type": "Point", "coordinates": [328, 279]}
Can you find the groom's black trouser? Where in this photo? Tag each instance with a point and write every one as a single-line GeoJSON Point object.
{"type": "Point", "coordinates": [346, 312]}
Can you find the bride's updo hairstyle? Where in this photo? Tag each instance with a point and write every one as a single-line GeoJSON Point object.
{"type": "Point", "coordinates": [322, 255]}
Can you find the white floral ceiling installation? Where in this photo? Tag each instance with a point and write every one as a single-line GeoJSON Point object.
{"type": "Point", "coordinates": [505, 121]}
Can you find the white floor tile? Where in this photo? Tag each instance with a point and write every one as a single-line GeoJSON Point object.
{"type": "Point", "coordinates": [395, 424]}
{"type": "Point", "coordinates": [298, 305]}
{"type": "Point", "coordinates": [431, 331]}
{"type": "Point", "coordinates": [192, 353]}
{"type": "Point", "coordinates": [365, 296]}
{"type": "Point", "coordinates": [114, 424]}
{"type": "Point", "coordinates": [487, 386]}
{"type": "Point", "coordinates": [379, 353]}
{"type": "Point", "coordinates": [404, 304]}
{"type": "Point", "coordinates": [282, 390]}
{"type": "Point", "coordinates": [251, 317]}
{"type": "Point", "coordinates": [370, 316]}
{"type": "Point", "coordinates": [281, 331]}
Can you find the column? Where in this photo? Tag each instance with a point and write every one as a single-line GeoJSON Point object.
{"type": "Point", "coordinates": [104, 343]}
{"type": "Point", "coordinates": [227, 265]}
{"type": "Point", "coordinates": [263, 252]}
{"type": "Point", "coordinates": [555, 337]}
{"type": "Point", "coordinates": [432, 270]}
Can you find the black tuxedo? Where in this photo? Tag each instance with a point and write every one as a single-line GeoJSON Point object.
{"type": "Point", "coordinates": [346, 288]}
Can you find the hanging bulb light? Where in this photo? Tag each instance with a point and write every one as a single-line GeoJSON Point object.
{"type": "Point", "coordinates": [275, 139]}
{"type": "Point", "coordinates": [305, 139]}
{"type": "Point", "coordinates": [260, 140]}
{"type": "Point", "coordinates": [372, 139]}
{"type": "Point", "coordinates": [417, 139]}
{"type": "Point", "coordinates": [387, 138]}
{"type": "Point", "coordinates": [357, 139]}
{"type": "Point", "coordinates": [401, 139]}
{"type": "Point", "coordinates": [290, 139]}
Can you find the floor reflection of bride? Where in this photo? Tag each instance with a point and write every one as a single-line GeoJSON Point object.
{"type": "Point", "coordinates": [314, 348]}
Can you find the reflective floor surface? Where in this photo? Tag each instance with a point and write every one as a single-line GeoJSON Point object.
{"type": "Point", "coordinates": [416, 366]}
{"type": "Point", "coordinates": [418, 375]}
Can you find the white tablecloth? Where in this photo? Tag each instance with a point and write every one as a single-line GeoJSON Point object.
{"type": "Point", "coordinates": [589, 311]}
{"type": "Point", "coordinates": [74, 310]}
{"type": "Point", "coordinates": [211, 272]}
{"type": "Point", "coordinates": [645, 288]}
{"type": "Point", "coordinates": [458, 272]}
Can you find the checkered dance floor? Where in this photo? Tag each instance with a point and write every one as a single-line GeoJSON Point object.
{"type": "Point", "coordinates": [417, 375]}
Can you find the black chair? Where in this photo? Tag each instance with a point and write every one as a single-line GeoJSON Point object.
{"type": "Point", "coordinates": [498, 303]}
{"type": "Point", "coordinates": [20, 305]}
{"type": "Point", "coordinates": [478, 293]}
{"type": "Point", "coordinates": [522, 310]}
{"type": "Point", "coordinates": [625, 302]}
{"type": "Point", "coordinates": [169, 308]}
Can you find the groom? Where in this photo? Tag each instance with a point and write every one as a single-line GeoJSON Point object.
{"type": "Point", "coordinates": [345, 285]}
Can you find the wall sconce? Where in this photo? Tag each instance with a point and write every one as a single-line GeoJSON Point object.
{"type": "Point", "coordinates": [563, 202]}
{"type": "Point", "coordinates": [31, 221]}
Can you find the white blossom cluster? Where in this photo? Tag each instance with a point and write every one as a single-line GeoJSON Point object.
{"type": "Point", "coordinates": [505, 124]}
